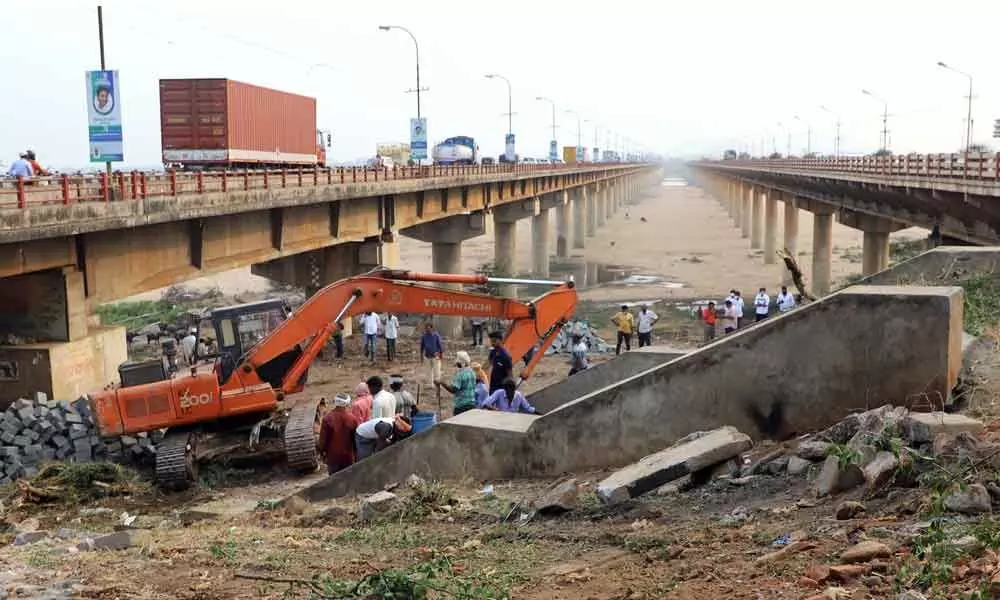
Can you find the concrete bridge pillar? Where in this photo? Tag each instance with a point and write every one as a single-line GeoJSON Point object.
{"type": "Point", "coordinates": [822, 251]}
{"type": "Point", "coordinates": [757, 218]}
{"type": "Point", "coordinates": [609, 201]}
{"type": "Point", "coordinates": [771, 226]}
{"type": "Point", "coordinates": [579, 216]}
{"type": "Point", "coordinates": [590, 195]}
{"type": "Point", "coordinates": [562, 225]}
{"type": "Point", "coordinates": [446, 237]}
{"type": "Point", "coordinates": [875, 252]}
{"type": "Point", "coordinates": [600, 203]}
{"type": "Point", "coordinates": [540, 244]}
{"type": "Point", "coordinates": [791, 233]}
{"type": "Point", "coordinates": [737, 213]}
{"type": "Point", "coordinates": [746, 210]}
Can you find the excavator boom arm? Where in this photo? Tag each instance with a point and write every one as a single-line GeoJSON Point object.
{"type": "Point", "coordinates": [534, 324]}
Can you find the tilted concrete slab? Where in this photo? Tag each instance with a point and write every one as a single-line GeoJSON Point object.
{"type": "Point", "coordinates": [602, 375]}
{"type": "Point", "coordinates": [944, 265]}
{"type": "Point", "coordinates": [672, 463]}
{"type": "Point", "coordinates": [802, 371]}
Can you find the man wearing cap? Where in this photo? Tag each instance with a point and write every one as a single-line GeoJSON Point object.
{"type": "Point", "coordinates": [463, 385]}
{"type": "Point", "coordinates": [336, 435]}
{"type": "Point", "coordinates": [501, 363]}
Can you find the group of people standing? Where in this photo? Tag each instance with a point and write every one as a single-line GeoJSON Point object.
{"type": "Point", "coordinates": [641, 323]}
{"type": "Point", "coordinates": [27, 165]}
{"type": "Point", "coordinates": [731, 314]}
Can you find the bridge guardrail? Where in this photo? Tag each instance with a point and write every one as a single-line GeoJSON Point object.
{"type": "Point", "coordinates": [137, 185]}
{"type": "Point", "coordinates": [979, 166]}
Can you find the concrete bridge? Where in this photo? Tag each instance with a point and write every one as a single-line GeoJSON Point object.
{"type": "Point", "coordinates": [957, 196]}
{"type": "Point", "coordinates": [69, 243]}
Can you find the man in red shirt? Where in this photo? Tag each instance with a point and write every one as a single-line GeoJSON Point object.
{"type": "Point", "coordinates": [336, 435]}
{"type": "Point", "coordinates": [708, 317]}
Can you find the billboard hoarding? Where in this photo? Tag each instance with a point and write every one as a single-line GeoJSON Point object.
{"type": "Point", "coordinates": [553, 150]}
{"type": "Point", "coordinates": [104, 116]}
{"type": "Point", "coordinates": [508, 151]}
{"type": "Point", "coordinates": [418, 139]}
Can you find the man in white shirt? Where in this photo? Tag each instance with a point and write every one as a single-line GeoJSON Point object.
{"type": "Point", "coordinates": [383, 402]}
{"type": "Point", "coordinates": [391, 333]}
{"type": "Point", "coordinates": [738, 303]}
{"type": "Point", "coordinates": [729, 318]}
{"type": "Point", "coordinates": [646, 320]}
{"type": "Point", "coordinates": [188, 345]}
{"type": "Point", "coordinates": [761, 305]}
{"type": "Point", "coordinates": [373, 435]}
{"type": "Point", "coordinates": [370, 324]}
{"type": "Point", "coordinates": [785, 300]}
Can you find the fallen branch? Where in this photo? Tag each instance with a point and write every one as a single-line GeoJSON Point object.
{"type": "Point", "coordinates": [797, 278]}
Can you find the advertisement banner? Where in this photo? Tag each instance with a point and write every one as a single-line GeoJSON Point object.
{"type": "Point", "coordinates": [418, 139]}
{"type": "Point", "coordinates": [508, 151]}
{"type": "Point", "coordinates": [597, 155]}
{"type": "Point", "coordinates": [553, 150]}
{"type": "Point", "coordinates": [104, 116]}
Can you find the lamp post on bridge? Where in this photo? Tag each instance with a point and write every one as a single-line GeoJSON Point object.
{"type": "Point", "coordinates": [554, 143]}
{"type": "Point", "coordinates": [836, 140]}
{"type": "Point", "coordinates": [788, 146]}
{"type": "Point", "coordinates": [579, 142]}
{"type": "Point", "coordinates": [596, 144]}
{"type": "Point", "coordinates": [509, 140]}
{"type": "Point", "coordinates": [968, 117]}
{"type": "Point", "coordinates": [809, 134]}
{"type": "Point", "coordinates": [418, 130]}
{"type": "Point", "coordinates": [885, 120]}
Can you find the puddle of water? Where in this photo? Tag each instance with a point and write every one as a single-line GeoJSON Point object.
{"type": "Point", "coordinates": [590, 274]}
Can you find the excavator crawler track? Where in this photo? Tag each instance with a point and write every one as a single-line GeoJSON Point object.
{"type": "Point", "coordinates": [176, 467]}
{"type": "Point", "coordinates": [300, 437]}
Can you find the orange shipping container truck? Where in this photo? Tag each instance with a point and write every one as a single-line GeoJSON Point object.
{"type": "Point", "coordinates": [221, 123]}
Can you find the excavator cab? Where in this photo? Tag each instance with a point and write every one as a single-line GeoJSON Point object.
{"type": "Point", "coordinates": [238, 329]}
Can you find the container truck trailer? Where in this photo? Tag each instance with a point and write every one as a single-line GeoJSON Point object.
{"type": "Point", "coordinates": [458, 150]}
{"type": "Point", "coordinates": [225, 124]}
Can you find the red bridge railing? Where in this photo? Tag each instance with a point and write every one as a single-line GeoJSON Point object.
{"type": "Point", "coordinates": [978, 166]}
{"type": "Point", "coordinates": [135, 185]}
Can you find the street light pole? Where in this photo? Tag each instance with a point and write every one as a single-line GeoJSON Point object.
{"type": "Point", "coordinates": [968, 115]}
{"type": "Point", "coordinates": [416, 47]}
{"type": "Point", "coordinates": [808, 135]}
{"type": "Point", "coordinates": [510, 109]}
{"type": "Point", "coordinates": [553, 152]}
{"type": "Point", "coordinates": [578, 139]}
{"type": "Point", "coordinates": [836, 140]}
{"type": "Point", "coordinates": [885, 119]}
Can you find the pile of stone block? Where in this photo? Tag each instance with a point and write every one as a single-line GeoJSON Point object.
{"type": "Point", "coordinates": [564, 341]}
{"type": "Point", "coordinates": [38, 430]}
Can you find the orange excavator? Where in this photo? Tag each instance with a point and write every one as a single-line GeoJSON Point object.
{"type": "Point", "coordinates": [265, 352]}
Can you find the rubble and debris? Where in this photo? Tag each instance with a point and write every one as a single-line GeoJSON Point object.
{"type": "Point", "coordinates": [119, 540]}
{"type": "Point", "coordinates": [881, 469]}
{"type": "Point", "coordinates": [865, 551]}
{"type": "Point", "coordinates": [797, 465]}
{"type": "Point", "coordinates": [972, 500]}
{"type": "Point", "coordinates": [30, 537]}
{"type": "Point", "coordinates": [672, 463]}
{"type": "Point", "coordinates": [848, 510]}
{"type": "Point", "coordinates": [921, 428]}
{"type": "Point", "coordinates": [376, 505]}
{"type": "Point", "coordinates": [564, 341]}
{"type": "Point", "coordinates": [837, 477]}
{"type": "Point", "coordinates": [560, 498]}
{"type": "Point", "coordinates": [414, 481]}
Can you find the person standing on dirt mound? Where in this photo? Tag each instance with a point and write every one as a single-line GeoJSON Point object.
{"type": "Point", "coordinates": [625, 322]}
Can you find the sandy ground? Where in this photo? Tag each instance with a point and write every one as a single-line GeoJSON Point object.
{"type": "Point", "coordinates": [687, 240]}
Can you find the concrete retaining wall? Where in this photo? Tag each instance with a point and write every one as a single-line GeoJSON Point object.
{"type": "Point", "coordinates": [802, 371]}
{"type": "Point", "coordinates": [945, 265]}
{"type": "Point", "coordinates": [602, 375]}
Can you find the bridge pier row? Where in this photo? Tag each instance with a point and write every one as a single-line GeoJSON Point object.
{"type": "Point", "coordinates": [579, 217]}
{"type": "Point", "coordinates": [757, 218]}
{"type": "Point", "coordinates": [446, 236]}
{"type": "Point", "coordinates": [731, 199]}
{"type": "Point", "coordinates": [875, 248]}
{"type": "Point", "coordinates": [562, 211]}
{"type": "Point", "coordinates": [590, 196]}
{"type": "Point", "coordinates": [791, 233]}
{"type": "Point", "coordinates": [540, 244]}
{"type": "Point", "coordinates": [771, 226]}
{"type": "Point", "coordinates": [822, 252]}
{"type": "Point", "coordinates": [737, 213]}
{"type": "Point", "coordinates": [600, 203]}
{"type": "Point", "coordinates": [609, 201]}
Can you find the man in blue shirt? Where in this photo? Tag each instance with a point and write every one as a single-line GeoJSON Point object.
{"type": "Point", "coordinates": [508, 399]}
{"type": "Point", "coordinates": [21, 168]}
{"type": "Point", "coordinates": [431, 350]}
{"type": "Point", "coordinates": [501, 364]}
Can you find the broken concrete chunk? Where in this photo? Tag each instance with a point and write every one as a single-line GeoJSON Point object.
{"type": "Point", "coordinates": [973, 500]}
{"type": "Point", "coordinates": [561, 497]}
{"type": "Point", "coordinates": [413, 481]}
{"type": "Point", "coordinates": [119, 540]}
{"type": "Point", "coordinates": [919, 428]}
{"type": "Point", "coordinates": [842, 431]}
{"type": "Point", "coordinates": [849, 509]}
{"type": "Point", "coordinates": [832, 478]}
{"type": "Point", "coordinates": [667, 465]}
{"type": "Point", "coordinates": [30, 537]}
{"type": "Point", "coordinates": [376, 505]}
{"type": "Point", "coordinates": [798, 466]}
{"type": "Point", "coordinates": [812, 449]}
{"type": "Point", "coordinates": [881, 469]}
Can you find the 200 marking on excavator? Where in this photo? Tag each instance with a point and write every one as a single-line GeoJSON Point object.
{"type": "Point", "coordinates": [189, 400]}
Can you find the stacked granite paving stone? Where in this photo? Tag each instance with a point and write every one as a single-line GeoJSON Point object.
{"type": "Point", "coordinates": [38, 430]}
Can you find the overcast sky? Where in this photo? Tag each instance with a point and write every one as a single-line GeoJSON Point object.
{"type": "Point", "coordinates": [680, 78]}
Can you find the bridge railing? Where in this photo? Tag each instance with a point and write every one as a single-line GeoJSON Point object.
{"type": "Point", "coordinates": [137, 185]}
{"type": "Point", "coordinates": [975, 165]}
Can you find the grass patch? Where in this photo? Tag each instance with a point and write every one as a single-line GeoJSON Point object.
{"type": "Point", "coordinates": [137, 314]}
{"type": "Point", "coordinates": [982, 303]}
{"type": "Point", "coordinates": [902, 250]}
